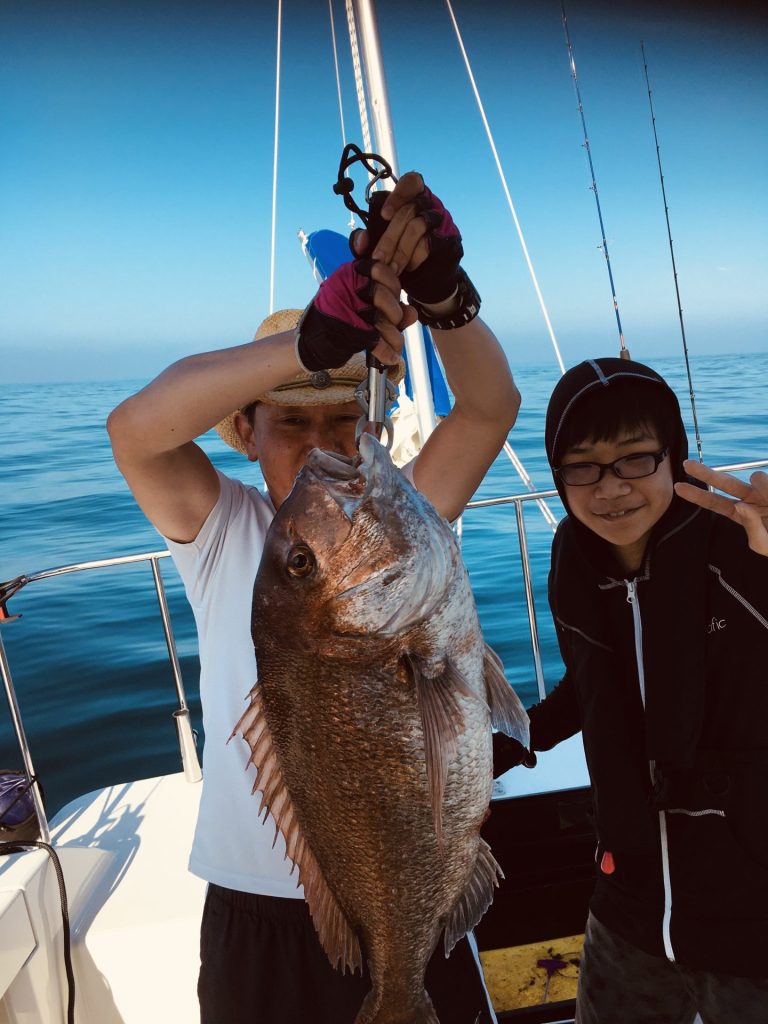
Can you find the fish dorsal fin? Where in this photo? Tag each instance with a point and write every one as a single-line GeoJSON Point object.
{"type": "Point", "coordinates": [507, 713]}
{"type": "Point", "coordinates": [333, 929]}
{"type": "Point", "coordinates": [475, 899]}
{"type": "Point", "coordinates": [442, 721]}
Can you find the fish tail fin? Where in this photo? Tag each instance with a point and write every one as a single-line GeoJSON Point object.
{"type": "Point", "coordinates": [375, 1012]}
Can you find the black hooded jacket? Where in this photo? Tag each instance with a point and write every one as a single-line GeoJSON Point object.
{"type": "Point", "coordinates": [667, 678]}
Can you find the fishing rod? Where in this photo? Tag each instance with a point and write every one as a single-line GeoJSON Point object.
{"type": "Point", "coordinates": [674, 265]}
{"type": "Point", "coordinates": [623, 350]}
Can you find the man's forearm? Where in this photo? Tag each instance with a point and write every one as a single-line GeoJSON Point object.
{"type": "Point", "coordinates": [194, 394]}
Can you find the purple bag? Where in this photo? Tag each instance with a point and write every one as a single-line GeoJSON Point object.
{"type": "Point", "coordinates": [18, 819]}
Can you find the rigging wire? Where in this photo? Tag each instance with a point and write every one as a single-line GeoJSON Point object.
{"type": "Point", "coordinates": [338, 77]}
{"type": "Point", "coordinates": [274, 160]}
{"type": "Point", "coordinates": [508, 449]}
{"type": "Point", "coordinates": [522, 472]}
{"type": "Point", "coordinates": [351, 223]}
{"type": "Point", "coordinates": [674, 265]}
{"type": "Point", "coordinates": [623, 350]}
{"type": "Point", "coordinates": [504, 185]}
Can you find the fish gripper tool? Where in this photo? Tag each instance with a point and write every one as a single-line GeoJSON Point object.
{"type": "Point", "coordinates": [376, 395]}
{"type": "Point", "coordinates": [344, 186]}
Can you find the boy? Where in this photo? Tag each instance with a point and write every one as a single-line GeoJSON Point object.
{"type": "Point", "coordinates": [659, 592]}
{"type": "Point", "coordinates": [292, 390]}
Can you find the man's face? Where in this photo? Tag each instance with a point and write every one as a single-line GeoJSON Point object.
{"type": "Point", "coordinates": [622, 512]}
{"type": "Point", "coordinates": [283, 435]}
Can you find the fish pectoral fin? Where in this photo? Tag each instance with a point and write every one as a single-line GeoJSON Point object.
{"type": "Point", "coordinates": [475, 899]}
{"type": "Point", "coordinates": [507, 713]}
{"type": "Point", "coordinates": [442, 721]}
{"type": "Point", "coordinates": [333, 929]}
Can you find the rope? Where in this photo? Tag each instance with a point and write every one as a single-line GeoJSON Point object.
{"type": "Point", "coordinates": [519, 230]}
{"type": "Point", "coordinates": [20, 846]}
{"type": "Point", "coordinates": [274, 162]}
{"type": "Point", "coordinates": [364, 126]}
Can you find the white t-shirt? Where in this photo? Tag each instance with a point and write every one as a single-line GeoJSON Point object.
{"type": "Point", "coordinates": [231, 848]}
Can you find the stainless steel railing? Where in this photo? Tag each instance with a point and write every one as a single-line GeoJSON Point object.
{"type": "Point", "coordinates": [187, 746]}
{"type": "Point", "coordinates": [186, 739]}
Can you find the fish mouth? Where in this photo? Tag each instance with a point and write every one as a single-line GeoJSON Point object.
{"type": "Point", "coordinates": [350, 480]}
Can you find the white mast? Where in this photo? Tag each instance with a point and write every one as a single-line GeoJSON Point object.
{"type": "Point", "coordinates": [376, 85]}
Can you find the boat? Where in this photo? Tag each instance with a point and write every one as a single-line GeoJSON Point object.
{"type": "Point", "coordinates": [118, 942]}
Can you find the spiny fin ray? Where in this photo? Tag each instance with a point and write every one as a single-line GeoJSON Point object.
{"type": "Point", "coordinates": [475, 899]}
{"type": "Point", "coordinates": [334, 931]}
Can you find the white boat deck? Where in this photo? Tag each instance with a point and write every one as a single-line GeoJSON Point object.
{"type": "Point", "coordinates": [134, 908]}
{"type": "Point", "coordinates": [134, 911]}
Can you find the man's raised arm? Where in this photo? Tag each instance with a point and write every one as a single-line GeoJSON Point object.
{"type": "Point", "coordinates": [459, 453]}
{"type": "Point", "coordinates": [153, 431]}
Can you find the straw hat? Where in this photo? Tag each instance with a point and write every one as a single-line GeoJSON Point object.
{"type": "Point", "coordinates": [322, 387]}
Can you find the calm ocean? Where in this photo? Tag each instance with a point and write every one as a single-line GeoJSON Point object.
{"type": "Point", "coordinates": [88, 655]}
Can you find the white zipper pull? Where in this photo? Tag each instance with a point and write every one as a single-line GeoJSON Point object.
{"type": "Point", "coordinates": [637, 623]}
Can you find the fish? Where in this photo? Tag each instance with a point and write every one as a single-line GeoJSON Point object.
{"type": "Point", "coordinates": [371, 720]}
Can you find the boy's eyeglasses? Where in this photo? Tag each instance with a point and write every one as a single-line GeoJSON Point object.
{"type": "Point", "coordinates": [629, 467]}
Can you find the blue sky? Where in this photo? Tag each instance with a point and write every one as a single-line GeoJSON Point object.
{"type": "Point", "coordinates": [136, 166]}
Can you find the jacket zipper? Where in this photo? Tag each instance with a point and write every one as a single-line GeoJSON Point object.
{"type": "Point", "coordinates": [637, 622]}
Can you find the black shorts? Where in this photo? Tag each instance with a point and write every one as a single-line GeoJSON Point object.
{"type": "Point", "coordinates": [262, 963]}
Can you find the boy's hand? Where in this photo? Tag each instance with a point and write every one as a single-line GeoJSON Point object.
{"type": "Point", "coordinates": [356, 309]}
{"type": "Point", "coordinates": [750, 508]}
{"type": "Point", "coordinates": [508, 753]}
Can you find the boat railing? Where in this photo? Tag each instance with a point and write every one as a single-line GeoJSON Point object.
{"type": "Point", "coordinates": [185, 732]}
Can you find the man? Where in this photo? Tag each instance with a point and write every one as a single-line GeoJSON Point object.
{"type": "Point", "coordinates": [659, 591]}
{"type": "Point", "coordinates": [291, 391]}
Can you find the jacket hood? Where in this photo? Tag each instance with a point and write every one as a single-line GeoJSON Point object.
{"type": "Point", "coordinates": [585, 379]}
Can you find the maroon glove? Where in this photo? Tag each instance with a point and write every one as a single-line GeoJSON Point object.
{"type": "Point", "coordinates": [340, 320]}
{"type": "Point", "coordinates": [437, 277]}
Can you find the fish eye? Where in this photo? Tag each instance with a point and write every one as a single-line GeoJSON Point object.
{"type": "Point", "coordinates": [300, 561]}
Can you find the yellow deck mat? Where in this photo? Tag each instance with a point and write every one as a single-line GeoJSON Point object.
{"type": "Point", "coordinates": [514, 978]}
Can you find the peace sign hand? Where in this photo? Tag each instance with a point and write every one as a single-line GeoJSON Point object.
{"type": "Point", "coordinates": [750, 508]}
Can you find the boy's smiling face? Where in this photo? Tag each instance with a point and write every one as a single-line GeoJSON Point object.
{"type": "Point", "coordinates": [621, 512]}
